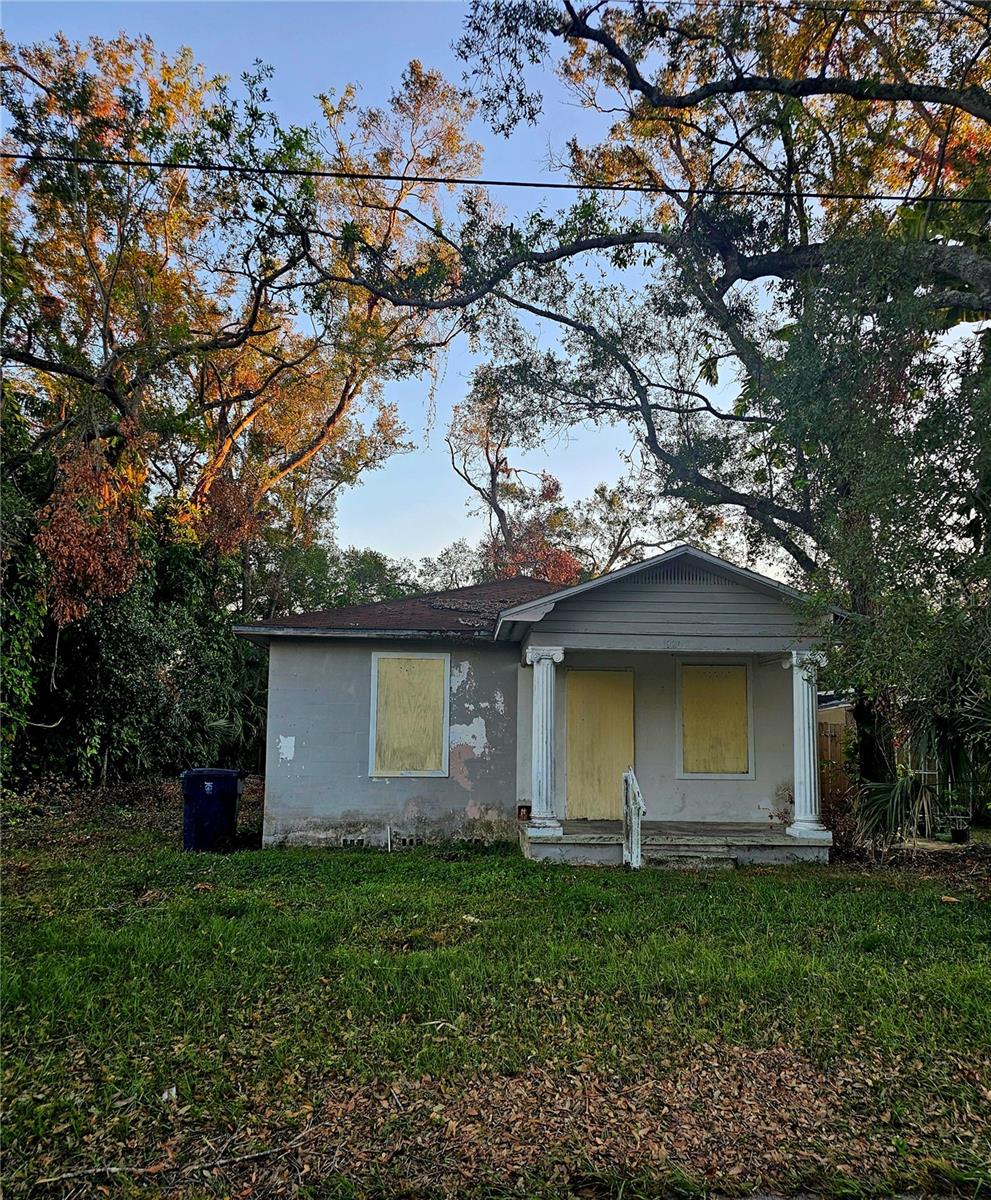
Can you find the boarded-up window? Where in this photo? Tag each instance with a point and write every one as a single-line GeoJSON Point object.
{"type": "Point", "coordinates": [409, 714]}
{"type": "Point", "coordinates": [714, 719]}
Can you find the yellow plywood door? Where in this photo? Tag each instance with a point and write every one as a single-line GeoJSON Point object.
{"type": "Point", "coordinates": [600, 741]}
{"type": "Point", "coordinates": [714, 719]}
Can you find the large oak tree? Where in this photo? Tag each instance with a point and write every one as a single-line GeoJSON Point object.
{"type": "Point", "coordinates": [183, 397]}
{"type": "Point", "coordinates": [795, 349]}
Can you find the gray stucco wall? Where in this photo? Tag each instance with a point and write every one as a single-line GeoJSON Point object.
{"type": "Point", "coordinates": [656, 728]}
{"type": "Point", "coordinates": [317, 784]}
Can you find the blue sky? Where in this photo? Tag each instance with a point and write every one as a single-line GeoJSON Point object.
{"type": "Point", "coordinates": [415, 505]}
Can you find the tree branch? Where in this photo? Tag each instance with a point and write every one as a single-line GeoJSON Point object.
{"type": "Point", "coordinates": [756, 506]}
{"type": "Point", "coordinates": [973, 99]}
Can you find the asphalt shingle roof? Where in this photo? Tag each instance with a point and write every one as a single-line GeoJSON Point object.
{"type": "Point", "coordinates": [468, 610]}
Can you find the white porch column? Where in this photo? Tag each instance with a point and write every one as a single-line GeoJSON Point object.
{"type": "Point", "coordinates": [543, 822]}
{"type": "Point", "coordinates": [805, 710]}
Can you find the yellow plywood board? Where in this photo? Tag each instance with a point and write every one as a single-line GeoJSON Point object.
{"type": "Point", "coordinates": [714, 719]}
{"type": "Point", "coordinates": [409, 715]}
{"type": "Point", "coordinates": [600, 741]}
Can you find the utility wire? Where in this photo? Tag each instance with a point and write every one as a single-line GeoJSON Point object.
{"type": "Point", "coordinates": [463, 181]}
{"type": "Point", "coordinates": [937, 8]}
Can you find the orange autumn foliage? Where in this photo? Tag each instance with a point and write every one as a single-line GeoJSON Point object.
{"type": "Point", "coordinates": [88, 533]}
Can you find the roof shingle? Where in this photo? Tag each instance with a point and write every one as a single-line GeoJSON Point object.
{"type": "Point", "coordinates": [468, 611]}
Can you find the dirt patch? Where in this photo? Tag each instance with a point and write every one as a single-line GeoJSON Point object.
{"type": "Point", "coordinates": [967, 867]}
{"type": "Point", "coordinates": [406, 941]}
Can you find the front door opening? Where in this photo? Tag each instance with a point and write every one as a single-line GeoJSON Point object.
{"type": "Point", "coordinates": [600, 742]}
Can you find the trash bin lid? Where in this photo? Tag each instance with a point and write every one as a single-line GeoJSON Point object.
{"type": "Point", "coordinates": [212, 771]}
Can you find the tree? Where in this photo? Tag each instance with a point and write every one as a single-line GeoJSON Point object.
{"type": "Point", "coordinates": [162, 326]}
{"type": "Point", "coordinates": [366, 576]}
{"type": "Point", "coordinates": [22, 583]}
{"type": "Point", "coordinates": [455, 566]}
{"type": "Point", "coordinates": [794, 355]}
{"type": "Point", "coordinates": [531, 529]}
{"type": "Point", "coordinates": [691, 144]}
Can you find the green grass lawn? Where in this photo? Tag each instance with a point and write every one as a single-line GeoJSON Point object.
{"type": "Point", "coordinates": [459, 1021]}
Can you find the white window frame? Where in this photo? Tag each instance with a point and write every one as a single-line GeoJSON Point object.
{"type": "Point", "coordinates": [373, 718]}
{"type": "Point", "coordinates": [679, 732]}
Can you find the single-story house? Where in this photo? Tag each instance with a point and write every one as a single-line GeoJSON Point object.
{"type": "Point", "coordinates": [515, 706]}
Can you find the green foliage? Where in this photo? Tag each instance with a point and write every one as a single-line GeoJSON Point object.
{"type": "Point", "coordinates": [23, 618]}
{"type": "Point", "coordinates": [902, 810]}
{"type": "Point", "coordinates": [366, 576]}
{"type": "Point", "coordinates": [155, 680]}
{"type": "Point", "coordinates": [22, 580]}
{"type": "Point", "coordinates": [149, 683]}
{"type": "Point", "coordinates": [287, 574]}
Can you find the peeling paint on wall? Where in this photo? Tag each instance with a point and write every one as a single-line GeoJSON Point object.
{"type": "Point", "coordinates": [460, 757]}
{"type": "Point", "coordinates": [468, 744]}
{"type": "Point", "coordinates": [335, 802]}
{"type": "Point", "coordinates": [459, 674]}
{"type": "Point", "coordinates": [470, 735]}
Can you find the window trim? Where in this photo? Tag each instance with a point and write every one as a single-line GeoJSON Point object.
{"type": "Point", "coordinates": [444, 772]}
{"type": "Point", "coordinates": [679, 730]}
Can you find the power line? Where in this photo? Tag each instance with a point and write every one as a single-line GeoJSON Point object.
{"type": "Point", "coordinates": [937, 8]}
{"type": "Point", "coordinates": [463, 181]}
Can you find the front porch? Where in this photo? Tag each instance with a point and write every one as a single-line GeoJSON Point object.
{"type": "Point", "coordinates": [606, 723]}
{"type": "Point", "coordinates": [676, 844]}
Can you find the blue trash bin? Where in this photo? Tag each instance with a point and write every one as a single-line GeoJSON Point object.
{"type": "Point", "coordinates": [211, 799]}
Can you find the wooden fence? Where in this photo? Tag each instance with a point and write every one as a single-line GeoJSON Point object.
{"type": "Point", "coordinates": [833, 780]}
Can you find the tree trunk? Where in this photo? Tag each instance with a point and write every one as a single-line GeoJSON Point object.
{"type": "Point", "coordinates": [875, 747]}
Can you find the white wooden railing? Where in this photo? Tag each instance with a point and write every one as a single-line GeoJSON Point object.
{"type": "Point", "coordinates": [633, 813]}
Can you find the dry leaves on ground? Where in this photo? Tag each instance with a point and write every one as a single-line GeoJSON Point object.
{"type": "Point", "coordinates": [729, 1113]}
{"type": "Point", "coordinates": [730, 1117]}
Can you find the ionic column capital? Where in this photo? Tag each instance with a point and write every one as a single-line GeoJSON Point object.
{"type": "Point", "coordinates": [536, 654]}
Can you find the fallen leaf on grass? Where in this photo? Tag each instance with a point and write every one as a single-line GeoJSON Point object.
{"type": "Point", "coordinates": [202, 887]}
{"type": "Point", "coordinates": [949, 899]}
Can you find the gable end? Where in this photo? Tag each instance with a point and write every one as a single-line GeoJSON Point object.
{"type": "Point", "coordinates": [684, 571]}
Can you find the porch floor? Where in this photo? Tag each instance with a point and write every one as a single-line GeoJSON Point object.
{"type": "Point", "coordinates": [677, 843]}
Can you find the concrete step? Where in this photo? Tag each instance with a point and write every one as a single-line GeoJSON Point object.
{"type": "Point", "coordinates": [676, 849]}
{"type": "Point", "coordinates": [671, 853]}
{"type": "Point", "coordinates": [690, 862]}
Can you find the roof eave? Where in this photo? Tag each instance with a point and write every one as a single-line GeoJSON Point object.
{"type": "Point", "coordinates": [511, 630]}
{"type": "Point", "coordinates": [263, 634]}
